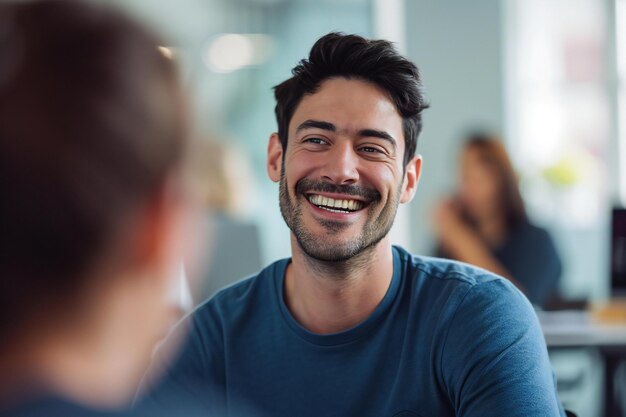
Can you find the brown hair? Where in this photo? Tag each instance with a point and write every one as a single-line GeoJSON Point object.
{"type": "Point", "coordinates": [90, 127]}
{"type": "Point", "coordinates": [493, 154]}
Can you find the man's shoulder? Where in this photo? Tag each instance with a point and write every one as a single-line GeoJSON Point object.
{"type": "Point", "coordinates": [467, 298]}
{"type": "Point", "coordinates": [434, 270]}
{"type": "Point", "coordinates": [447, 284]}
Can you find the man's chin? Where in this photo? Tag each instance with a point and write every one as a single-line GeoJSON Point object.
{"type": "Point", "coordinates": [328, 256]}
{"type": "Point", "coordinates": [325, 249]}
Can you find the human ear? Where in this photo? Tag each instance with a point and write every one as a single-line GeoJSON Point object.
{"type": "Point", "coordinates": [274, 157]}
{"type": "Point", "coordinates": [412, 175]}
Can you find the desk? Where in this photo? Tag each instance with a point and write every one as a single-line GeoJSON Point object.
{"type": "Point", "coordinates": [569, 329]}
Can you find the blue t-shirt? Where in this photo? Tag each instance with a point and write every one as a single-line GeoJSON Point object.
{"type": "Point", "coordinates": [56, 406]}
{"type": "Point", "coordinates": [447, 339]}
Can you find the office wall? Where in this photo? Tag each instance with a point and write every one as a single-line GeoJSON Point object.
{"type": "Point", "coordinates": [457, 46]}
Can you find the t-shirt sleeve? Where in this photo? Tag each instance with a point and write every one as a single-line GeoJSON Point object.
{"type": "Point", "coordinates": [494, 359]}
{"type": "Point", "coordinates": [192, 383]}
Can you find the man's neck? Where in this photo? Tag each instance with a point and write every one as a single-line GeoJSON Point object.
{"type": "Point", "coordinates": [333, 297]}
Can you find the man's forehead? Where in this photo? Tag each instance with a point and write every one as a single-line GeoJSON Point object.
{"type": "Point", "coordinates": [351, 106]}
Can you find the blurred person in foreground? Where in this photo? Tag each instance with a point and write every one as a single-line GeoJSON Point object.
{"type": "Point", "coordinates": [351, 325]}
{"type": "Point", "coordinates": [486, 224]}
{"type": "Point", "coordinates": [93, 206]}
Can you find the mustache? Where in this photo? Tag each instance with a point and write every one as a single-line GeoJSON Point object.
{"type": "Point", "coordinates": [307, 185]}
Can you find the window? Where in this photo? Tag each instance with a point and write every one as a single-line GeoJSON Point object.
{"type": "Point", "coordinates": [620, 39]}
{"type": "Point", "coordinates": [561, 127]}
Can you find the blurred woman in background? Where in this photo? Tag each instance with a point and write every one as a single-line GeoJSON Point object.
{"type": "Point", "coordinates": [485, 223]}
{"type": "Point", "coordinates": [93, 206]}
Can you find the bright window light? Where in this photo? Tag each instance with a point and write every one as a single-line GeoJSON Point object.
{"type": "Point", "coordinates": [620, 15]}
{"type": "Point", "coordinates": [166, 51]}
{"type": "Point", "coordinates": [230, 52]}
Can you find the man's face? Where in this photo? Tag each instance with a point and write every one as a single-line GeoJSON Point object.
{"type": "Point", "coordinates": [342, 176]}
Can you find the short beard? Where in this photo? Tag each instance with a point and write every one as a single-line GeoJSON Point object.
{"type": "Point", "coordinates": [320, 249]}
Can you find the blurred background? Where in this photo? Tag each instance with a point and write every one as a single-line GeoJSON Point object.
{"type": "Point", "coordinates": [549, 76]}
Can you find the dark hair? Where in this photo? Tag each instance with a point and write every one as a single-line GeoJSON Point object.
{"type": "Point", "coordinates": [91, 124]}
{"type": "Point", "coordinates": [375, 61]}
{"type": "Point", "coordinates": [493, 154]}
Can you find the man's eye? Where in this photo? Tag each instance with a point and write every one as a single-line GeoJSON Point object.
{"type": "Point", "coordinates": [317, 141]}
{"type": "Point", "coordinates": [370, 149]}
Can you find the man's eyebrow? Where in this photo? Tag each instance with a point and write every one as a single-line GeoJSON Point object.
{"type": "Point", "coordinates": [316, 124]}
{"type": "Point", "coordinates": [373, 133]}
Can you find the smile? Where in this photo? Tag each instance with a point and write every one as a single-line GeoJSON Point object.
{"type": "Point", "coordinates": [333, 205]}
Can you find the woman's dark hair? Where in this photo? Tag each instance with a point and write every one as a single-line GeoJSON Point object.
{"type": "Point", "coordinates": [493, 154]}
{"type": "Point", "coordinates": [91, 124]}
{"type": "Point", "coordinates": [351, 56]}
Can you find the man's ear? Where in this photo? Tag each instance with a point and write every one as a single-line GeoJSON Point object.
{"type": "Point", "coordinates": [412, 174]}
{"type": "Point", "coordinates": [274, 157]}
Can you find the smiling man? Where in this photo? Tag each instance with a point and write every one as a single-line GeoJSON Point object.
{"type": "Point", "coordinates": [351, 325]}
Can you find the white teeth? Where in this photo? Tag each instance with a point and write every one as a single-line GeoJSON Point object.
{"type": "Point", "coordinates": [343, 205]}
{"type": "Point", "coordinates": [335, 211]}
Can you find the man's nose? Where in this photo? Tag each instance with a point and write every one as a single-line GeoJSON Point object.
{"type": "Point", "coordinates": [341, 166]}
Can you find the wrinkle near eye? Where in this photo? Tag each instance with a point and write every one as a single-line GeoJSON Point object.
{"type": "Point", "coordinates": [381, 146]}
